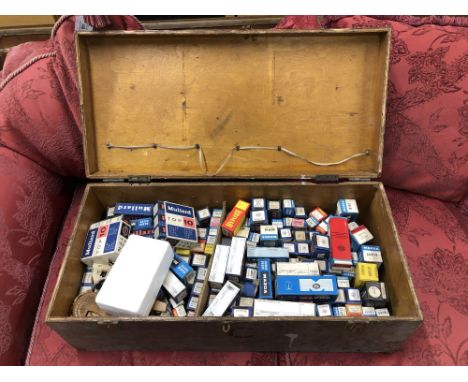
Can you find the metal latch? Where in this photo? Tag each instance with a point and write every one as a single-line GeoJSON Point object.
{"type": "Point", "coordinates": [139, 179]}
{"type": "Point", "coordinates": [107, 322]}
{"type": "Point", "coordinates": [327, 178]}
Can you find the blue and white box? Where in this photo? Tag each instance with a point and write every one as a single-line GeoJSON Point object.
{"type": "Point", "coordinates": [339, 311]}
{"type": "Point", "coordinates": [287, 222]}
{"type": "Point", "coordinates": [180, 268]}
{"type": "Point", "coordinates": [111, 236]}
{"type": "Point", "coordinates": [353, 296]}
{"type": "Point", "coordinates": [258, 218]}
{"type": "Point", "coordinates": [257, 204]}
{"type": "Point", "coordinates": [303, 249]}
{"type": "Point", "coordinates": [181, 226]}
{"type": "Point", "coordinates": [311, 222]}
{"type": "Point", "coordinates": [297, 287]}
{"type": "Point", "coordinates": [347, 208]}
{"type": "Point", "coordinates": [143, 223]}
{"type": "Point", "coordinates": [300, 213]}
{"type": "Point", "coordinates": [274, 253]}
{"type": "Point", "coordinates": [134, 210]}
{"type": "Point", "coordinates": [274, 209]}
{"type": "Point", "coordinates": [288, 207]}
{"type": "Point", "coordinates": [370, 254]}
{"type": "Point", "coordinates": [204, 216]}
{"type": "Point", "coordinates": [249, 288]}
{"type": "Point", "coordinates": [368, 311]}
{"type": "Point", "coordinates": [320, 246]}
{"type": "Point", "coordinates": [285, 235]}
{"type": "Point", "coordinates": [253, 240]}
{"type": "Point", "coordinates": [278, 223]}
{"type": "Point", "coordinates": [268, 233]}
{"type": "Point", "coordinates": [265, 279]}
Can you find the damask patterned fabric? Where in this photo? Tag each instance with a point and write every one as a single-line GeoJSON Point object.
{"type": "Point", "coordinates": [426, 132]}
{"type": "Point", "coordinates": [39, 108]}
{"type": "Point", "coordinates": [434, 236]}
{"type": "Point", "coordinates": [33, 204]}
{"type": "Point", "coordinates": [435, 239]}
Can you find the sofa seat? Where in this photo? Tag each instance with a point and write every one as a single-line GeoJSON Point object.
{"type": "Point", "coordinates": [435, 239]}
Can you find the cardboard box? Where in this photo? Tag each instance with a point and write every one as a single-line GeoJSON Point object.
{"type": "Point", "coordinates": [115, 94]}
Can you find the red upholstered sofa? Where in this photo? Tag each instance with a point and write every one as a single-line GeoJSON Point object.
{"type": "Point", "coordinates": [425, 172]}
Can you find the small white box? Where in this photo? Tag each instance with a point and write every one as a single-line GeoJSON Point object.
{"type": "Point", "coordinates": [223, 300]}
{"type": "Point", "coordinates": [218, 267]}
{"type": "Point", "coordinates": [174, 287]}
{"type": "Point", "coordinates": [136, 277]}
{"type": "Point", "coordinates": [275, 308]}
{"type": "Point", "coordinates": [297, 269]}
{"type": "Point", "coordinates": [236, 257]}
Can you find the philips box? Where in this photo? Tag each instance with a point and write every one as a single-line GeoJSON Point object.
{"type": "Point", "coordinates": [265, 279]}
{"type": "Point", "coordinates": [320, 287]}
{"type": "Point", "coordinates": [130, 289]}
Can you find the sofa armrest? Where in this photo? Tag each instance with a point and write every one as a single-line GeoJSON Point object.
{"type": "Point", "coordinates": [33, 202]}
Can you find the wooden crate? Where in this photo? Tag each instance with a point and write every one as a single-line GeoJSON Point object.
{"type": "Point", "coordinates": [319, 94]}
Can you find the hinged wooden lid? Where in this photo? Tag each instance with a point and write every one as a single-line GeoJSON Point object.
{"type": "Point", "coordinates": [298, 97]}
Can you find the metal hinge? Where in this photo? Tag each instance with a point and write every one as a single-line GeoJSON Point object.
{"type": "Point", "coordinates": [359, 179]}
{"type": "Point", "coordinates": [112, 180]}
{"type": "Point", "coordinates": [327, 178]}
{"type": "Point", "coordinates": [139, 179]}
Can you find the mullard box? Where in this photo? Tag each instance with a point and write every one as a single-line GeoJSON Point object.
{"type": "Point", "coordinates": [209, 118]}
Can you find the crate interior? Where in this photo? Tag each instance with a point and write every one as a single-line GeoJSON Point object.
{"type": "Point", "coordinates": [373, 206]}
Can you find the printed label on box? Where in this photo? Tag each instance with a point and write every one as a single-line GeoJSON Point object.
{"type": "Point", "coordinates": [223, 300]}
{"type": "Point", "coordinates": [180, 222]}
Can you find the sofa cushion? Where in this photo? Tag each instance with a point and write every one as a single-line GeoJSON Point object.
{"type": "Point", "coordinates": [48, 348]}
{"type": "Point", "coordinates": [426, 132]}
{"type": "Point", "coordinates": [434, 237]}
{"type": "Point", "coordinates": [39, 102]}
{"type": "Point", "coordinates": [33, 202]}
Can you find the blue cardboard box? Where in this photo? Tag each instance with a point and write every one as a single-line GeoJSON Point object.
{"type": "Point", "coordinates": [265, 279]}
{"type": "Point", "coordinates": [308, 287]}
